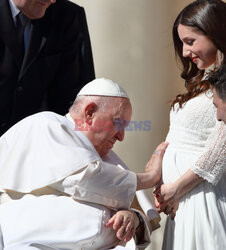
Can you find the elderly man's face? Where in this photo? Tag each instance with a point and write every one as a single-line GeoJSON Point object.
{"type": "Point", "coordinates": [105, 129]}
{"type": "Point", "coordinates": [221, 107]}
{"type": "Point", "coordinates": [33, 9]}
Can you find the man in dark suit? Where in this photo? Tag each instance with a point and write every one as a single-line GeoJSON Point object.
{"type": "Point", "coordinates": [54, 63]}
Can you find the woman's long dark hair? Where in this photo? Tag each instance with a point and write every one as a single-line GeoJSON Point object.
{"type": "Point", "coordinates": [208, 17]}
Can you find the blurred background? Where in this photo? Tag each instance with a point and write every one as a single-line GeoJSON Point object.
{"type": "Point", "coordinates": [132, 45]}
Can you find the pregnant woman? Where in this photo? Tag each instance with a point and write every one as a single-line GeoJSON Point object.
{"type": "Point", "coordinates": [194, 180]}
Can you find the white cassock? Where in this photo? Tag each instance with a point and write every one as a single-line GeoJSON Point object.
{"type": "Point", "coordinates": [57, 193]}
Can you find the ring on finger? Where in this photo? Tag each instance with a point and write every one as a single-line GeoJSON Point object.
{"type": "Point", "coordinates": [156, 152]}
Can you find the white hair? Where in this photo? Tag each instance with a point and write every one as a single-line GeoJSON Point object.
{"type": "Point", "coordinates": [102, 102]}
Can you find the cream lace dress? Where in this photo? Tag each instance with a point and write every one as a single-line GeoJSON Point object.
{"type": "Point", "coordinates": [197, 142]}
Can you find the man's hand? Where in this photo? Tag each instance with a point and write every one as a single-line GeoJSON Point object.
{"type": "Point", "coordinates": [154, 165]}
{"type": "Point", "coordinates": [153, 169]}
{"type": "Point", "coordinates": [124, 222]}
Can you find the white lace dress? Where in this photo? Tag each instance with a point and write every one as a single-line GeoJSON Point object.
{"type": "Point", "coordinates": [197, 142]}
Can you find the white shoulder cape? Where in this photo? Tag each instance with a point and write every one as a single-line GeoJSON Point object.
{"type": "Point", "coordinates": [32, 156]}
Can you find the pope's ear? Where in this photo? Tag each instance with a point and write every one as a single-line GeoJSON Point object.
{"type": "Point", "coordinates": [90, 110]}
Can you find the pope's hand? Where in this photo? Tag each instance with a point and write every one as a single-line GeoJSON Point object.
{"type": "Point", "coordinates": [124, 222]}
{"type": "Point", "coordinates": [154, 165]}
{"type": "Point", "coordinates": [153, 169]}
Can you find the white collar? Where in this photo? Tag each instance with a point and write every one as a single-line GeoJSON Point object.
{"type": "Point", "coordinates": [14, 10]}
{"type": "Point", "coordinates": [89, 144]}
{"type": "Point", "coordinates": [68, 116]}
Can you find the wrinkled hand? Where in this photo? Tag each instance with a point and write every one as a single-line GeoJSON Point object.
{"type": "Point", "coordinates": [154, 165]}
{"type": "Point", "coordinates": [124, 222]}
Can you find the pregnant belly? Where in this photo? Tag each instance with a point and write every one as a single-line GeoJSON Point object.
{"type": "Point", "coordinates": [176, 162]}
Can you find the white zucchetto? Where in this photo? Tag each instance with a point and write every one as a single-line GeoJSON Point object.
{"type": "Point", "coordinates": [103, 87]}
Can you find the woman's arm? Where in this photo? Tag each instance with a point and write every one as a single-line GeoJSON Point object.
{"type": "Point", "coordinates": [210, 166]}
{"type": "Point", "coordinates": [172, 192]}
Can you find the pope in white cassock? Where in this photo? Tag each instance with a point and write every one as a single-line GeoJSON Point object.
{"type": "Point", "coordinates": [61, 185]}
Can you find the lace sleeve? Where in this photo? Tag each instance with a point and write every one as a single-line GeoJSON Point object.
{"type": "Point", "coordinates": [212, 163]}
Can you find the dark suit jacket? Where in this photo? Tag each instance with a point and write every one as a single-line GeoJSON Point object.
{"type": "Point", "coordinates": [57, 63]}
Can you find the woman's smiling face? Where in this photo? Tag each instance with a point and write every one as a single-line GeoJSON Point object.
{"type": "Point", "coordinates": [198, 47]}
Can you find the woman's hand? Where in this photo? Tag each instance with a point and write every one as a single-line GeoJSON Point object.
{"type": "Point", "coordinates": [167, 208]}
{"type": "Point", "coordinates": [125, 223]}
{"type": "Point", "coordinates": [166, 193]}
{"type": "Point", "coordinates": [169, 194]}
{"type": "Point", "coordinates": [166, 199]}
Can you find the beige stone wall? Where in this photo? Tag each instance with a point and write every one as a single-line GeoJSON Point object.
{"type": "Point", "coordinates": [132, 45]}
